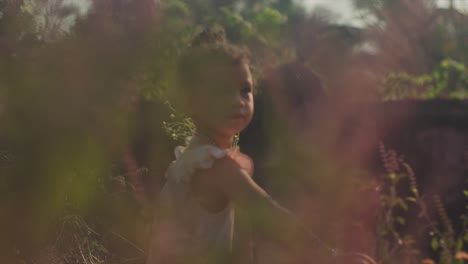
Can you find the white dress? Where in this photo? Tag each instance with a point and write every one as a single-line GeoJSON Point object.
{"type": "Point", "coordinates": [183, 231]}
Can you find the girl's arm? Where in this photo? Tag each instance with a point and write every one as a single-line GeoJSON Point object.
{"type": "Point", "coordinates": [267, 217]}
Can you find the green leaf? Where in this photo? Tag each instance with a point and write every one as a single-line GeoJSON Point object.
{"type": "Point", "coordinates": [177, 7]}
{"type": "Point", "coordinates": [270, 16]}
{"type": "Point", "coordinates": [434, 244]}
{"type": "Point", "coordinates": [231, 18]}
{"type": "Point", "coordinates": [411, 199]}
{"type": "Point", "coordinates": [465, 192]}
{"type": "Point", "coordinates": [459, 244]}
{"type": "Point", "coordinates": [401, 203]}
{"type": "Point", "coordinates": [401, 220]}
{"type": "Point", "coordinates": [27, 7]}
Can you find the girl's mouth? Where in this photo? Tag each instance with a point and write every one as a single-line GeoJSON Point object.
{"type": "Point", "coordinates": [236, 116]}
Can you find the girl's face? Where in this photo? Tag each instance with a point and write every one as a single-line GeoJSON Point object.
{"type": "Point", "coordinates": [223, 102]}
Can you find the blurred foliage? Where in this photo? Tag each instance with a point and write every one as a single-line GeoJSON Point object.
{"type": "Point", "coordinates": [449, 80]}
{"type": "Point", "coordinates": [84, 100]}
{"type": "Point", "coordinates": [400, 245]}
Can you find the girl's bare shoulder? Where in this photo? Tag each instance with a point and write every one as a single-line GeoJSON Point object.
{"type": "Point", "coordinates": [235, 161]}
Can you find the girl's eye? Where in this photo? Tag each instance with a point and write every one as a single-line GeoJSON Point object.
{"type": "Point", "coordinates": [246, 89]}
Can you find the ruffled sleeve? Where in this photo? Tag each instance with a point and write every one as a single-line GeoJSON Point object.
{"type": "Point", "coordinates": [189, 160]}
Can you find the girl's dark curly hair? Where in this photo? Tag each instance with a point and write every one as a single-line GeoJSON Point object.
{"type": "Point", "coordinates": [210, 48]}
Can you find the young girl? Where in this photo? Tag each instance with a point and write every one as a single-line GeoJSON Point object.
{"type": "Point", "coordinates": [209, 205]}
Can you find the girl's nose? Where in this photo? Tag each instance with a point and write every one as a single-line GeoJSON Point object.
{"type": "Point", "coordinates": [238, 101]}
